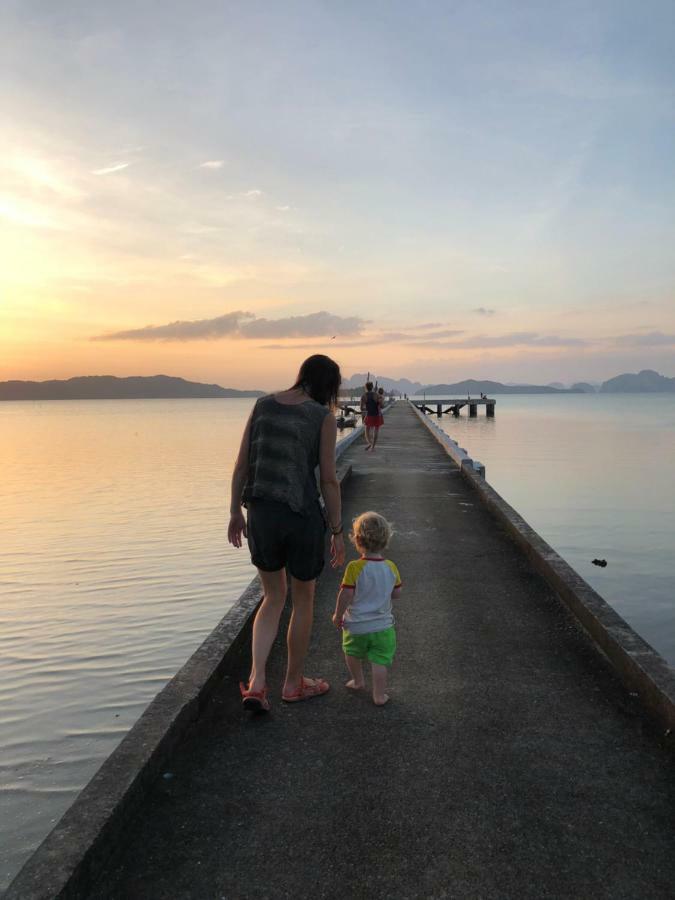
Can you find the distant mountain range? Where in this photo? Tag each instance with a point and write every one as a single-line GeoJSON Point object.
{"type": "Point", "coordinates": [402, 385]}
{"type": "Point", "coordinates": [108, 387]}
{"type": "Point", "coordinates": [646, 381]}
{"type": "Point", "coordinates": [471, 386]}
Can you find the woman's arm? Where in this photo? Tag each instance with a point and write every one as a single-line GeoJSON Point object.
{"type": "Point", "coordinates": [330, 488]}
{"type": "Point", "coordinates": [237, 525]}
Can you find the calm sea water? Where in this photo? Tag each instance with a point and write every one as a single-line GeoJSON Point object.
{"type": "Point", "coordinates": [114, 562]}
{"type": "Point", "coordinates": [594, 474]}
{"type": "Point", "coordinates": [114, 565]}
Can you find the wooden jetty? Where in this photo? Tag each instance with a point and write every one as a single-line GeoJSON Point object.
{"type": "Point", "coordinates": [453, 406]}
{"type": "Point", "coordinates": [513, 760]}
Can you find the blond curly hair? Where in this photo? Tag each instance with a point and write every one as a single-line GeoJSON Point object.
{"type": "Point", "coordinates": [370, 532]}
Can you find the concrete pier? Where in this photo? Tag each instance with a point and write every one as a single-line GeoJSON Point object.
{"type": "Point", "coordinates": [510, 762]}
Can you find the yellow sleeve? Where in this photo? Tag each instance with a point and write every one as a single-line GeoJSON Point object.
{"type": "Point", "coordinates": [394, 569]}
{"type": "Point", "coordinates": [350, 575]}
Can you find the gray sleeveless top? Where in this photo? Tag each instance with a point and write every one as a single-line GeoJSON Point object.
{"type": "Point", "coordinates": [284, 452]}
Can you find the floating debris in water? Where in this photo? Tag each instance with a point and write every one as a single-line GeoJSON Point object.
{"type": "Point", "coordinates": [599, 562]}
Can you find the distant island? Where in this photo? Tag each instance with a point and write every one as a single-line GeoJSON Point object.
{"type": "Point", "coordinates": [108, 387]}
{"type": "Point", "coordinates": [400, 385]}
{"type": "Point", "coordinates": [157, 387]}
{"type": "Point", "coordinates": [645, 382]}
{"type": "Point", "coordinates": [471, 386]}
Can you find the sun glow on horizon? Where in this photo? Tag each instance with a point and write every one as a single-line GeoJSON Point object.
{"type": "Point", "coordinates": [521, 201]}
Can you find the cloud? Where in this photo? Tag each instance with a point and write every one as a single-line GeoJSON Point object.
{"type": "Point", "coordinates": [212, 164]}
{"type": "Point", "coordinates": [202, 329]}
{"type": "Point", "coordinates": [115, 168]}
{"type": "Point", "coordinates": [514, 339]}
{"type": "Point", "coordinates": [444, 334]}
{"type": "Point", "coordinates": [254, 194]}
{"type": "Point", "coordinates": [426, 325]}
{"type": "Point", "coordinates": [652, 339]}
{"type": "Point", "coordinates": [320, 324]}
{"type": "Point", "coordinates": [484, 311]}
{"type": "Point", "coordinates": [243, 325]}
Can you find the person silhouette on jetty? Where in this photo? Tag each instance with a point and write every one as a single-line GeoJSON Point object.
{"type": "Point", "coordinates": [371, 406]}
{"type": "Point", "coordinates": [287, 435]}
{"type": "Point", "coordinates": [363, 606]}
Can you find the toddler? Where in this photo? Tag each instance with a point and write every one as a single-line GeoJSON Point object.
{"type": "Point", "coordinates": [363, 608]}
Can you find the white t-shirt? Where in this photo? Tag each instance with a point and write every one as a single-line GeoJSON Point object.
{"type": "Point", "coordinates": [372, 579]}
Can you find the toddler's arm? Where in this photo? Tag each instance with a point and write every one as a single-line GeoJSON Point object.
{"type": "Point", "coordinates": [344, 598]}
{"type": "Point", "coordinates": [396, 593]}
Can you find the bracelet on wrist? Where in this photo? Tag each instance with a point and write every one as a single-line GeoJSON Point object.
{"type": "Point", "coordinates": [337, 531]}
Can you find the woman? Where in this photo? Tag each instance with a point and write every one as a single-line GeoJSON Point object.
{"type": "Point", "coordinates": [371, 408]}
{"type": "Point", "coordinates": [287, 435]}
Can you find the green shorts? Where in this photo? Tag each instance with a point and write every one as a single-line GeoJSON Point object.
{"type": "Point", "coordinates": [378, 646]}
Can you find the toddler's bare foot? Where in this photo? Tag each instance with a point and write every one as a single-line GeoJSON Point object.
{"type": "Point", "coordinates": [381, 700]}
{"type": "Point", "coordinates": [355, 685]}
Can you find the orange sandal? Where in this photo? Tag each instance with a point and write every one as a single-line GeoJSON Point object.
{"type": "Point", "coordinates": [254, 701]}
{"type": "Point", "coordinates": [309, 687]}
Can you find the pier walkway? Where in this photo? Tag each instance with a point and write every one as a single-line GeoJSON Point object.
{"type": "Point", "coordinates": [509, 763]}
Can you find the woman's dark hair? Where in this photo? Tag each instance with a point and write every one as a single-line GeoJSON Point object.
{"type": "Point", "coordinates": [320, 377]}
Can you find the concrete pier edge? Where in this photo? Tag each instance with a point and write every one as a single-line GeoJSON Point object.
{"type": "Point", "coordinates": [92, 830]}
{"type": "Point", "coordinates": [639, 666]}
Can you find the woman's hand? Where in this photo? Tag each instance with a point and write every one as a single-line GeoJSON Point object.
{"type": "Point", "coordinates": [236, 528]}
{"type": "Point", "coordinates": [337, 621]}
{"type": "Point", "coordinates": [337, 550]}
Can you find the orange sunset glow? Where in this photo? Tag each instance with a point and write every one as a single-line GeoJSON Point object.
{"type": "Point", "coordinates": [442, 237]}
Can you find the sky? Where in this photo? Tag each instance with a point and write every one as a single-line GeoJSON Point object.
{"type": "Point", "coordinates": [432, 190]}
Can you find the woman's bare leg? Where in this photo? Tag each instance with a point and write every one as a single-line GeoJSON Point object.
{"type": "Point", "coordinates": [299, 632]}
{"type": "Point", "coordinates": [266, 624]}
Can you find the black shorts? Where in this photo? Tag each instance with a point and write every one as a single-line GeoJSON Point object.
{"type": "Point", "coordinates": [279, 537]}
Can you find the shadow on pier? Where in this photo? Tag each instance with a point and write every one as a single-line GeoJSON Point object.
{"type": "Point", "coordinates": [509, 763]}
